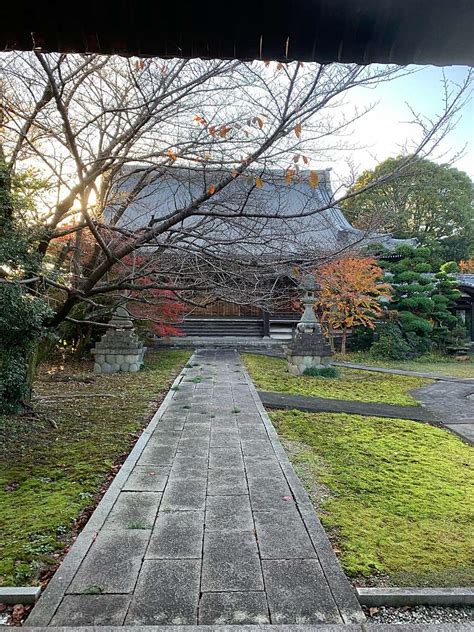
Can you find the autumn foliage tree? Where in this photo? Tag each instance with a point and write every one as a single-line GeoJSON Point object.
{"type": "Point", "coordinates": [466, 266]}
{"type": "Point", "coordinates": [352, 293]}
{"type": "Point", "coordinates": [159, 309]}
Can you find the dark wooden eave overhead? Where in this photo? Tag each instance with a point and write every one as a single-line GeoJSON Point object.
{"type": "Point", "coordinates": [361, 31]}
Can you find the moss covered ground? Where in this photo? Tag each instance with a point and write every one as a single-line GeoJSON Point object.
{"type": "Point", "coordinates": [53, 463]}
{"type": "Point", "coordinates": [433, 363]}
{"type": "Point", "coordinates": [270, 374]}
{"type": "Point", "coordinates": [395, 495]}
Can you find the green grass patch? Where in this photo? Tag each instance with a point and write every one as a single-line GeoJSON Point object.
{"type": "Point", "coordinates": [270, 374]}
{"type": "Point", "coordinates": [431, 363]}
{"type": "Point", "coordinates": [49, 475]}
{"type": "Point", "coordinates": [397, 495]}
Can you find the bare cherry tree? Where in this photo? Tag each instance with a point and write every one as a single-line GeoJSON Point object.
{"type": "Point", "coordinates": [190, 177]}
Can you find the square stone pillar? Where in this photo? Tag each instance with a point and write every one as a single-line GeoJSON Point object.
{"type": "Point", "coordinates": [307, 350]}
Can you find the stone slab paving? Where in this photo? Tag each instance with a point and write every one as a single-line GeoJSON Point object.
{"type": "Point", "coordinates": [451, 404]}
{"type": "Point", "coordinates": [205, 524]}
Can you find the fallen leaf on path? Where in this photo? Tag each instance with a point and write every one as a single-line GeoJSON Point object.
{"type": "Point", "coordinates": [18, 613]}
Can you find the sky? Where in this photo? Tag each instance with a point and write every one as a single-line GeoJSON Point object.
{"type": "Point", "coordinates": [384, 130]}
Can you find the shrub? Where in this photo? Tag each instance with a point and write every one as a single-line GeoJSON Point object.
{"type": "Point", "coordinates": [327, 371]}
{"type": "Point", "coordinates": [361, 339]}
{"type": "Point", "coordinates": [423, 297]}
{"type": "Point", "coordinates": [391, 344]}
{"type": "Point", "coordinates": [22, 312]}
{"type": "Point", "coordinates": [419, 345]}
{"type": "Point", "coordinates": [450, 267]}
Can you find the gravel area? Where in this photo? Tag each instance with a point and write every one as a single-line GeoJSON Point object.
{"type": "Point", "coordinates": [419, 614]}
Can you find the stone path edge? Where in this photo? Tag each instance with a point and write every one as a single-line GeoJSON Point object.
{"type": "Point", "coordinates": [342, 591]}
{"type": "Point", "coordinates": [337, 627]}
{"type": "Point", "coordinates": [380, 369]}
{"type": "Point", "coordinates": [400, 597]}
{"type": "Point", "coordinates": [457, 429]}
{"type": "Point", "coordinates": [49, 601]}
{"type": "Point", "coordinates": [19, 594]}
{"type": "Point", "coordinates": [275, 399]}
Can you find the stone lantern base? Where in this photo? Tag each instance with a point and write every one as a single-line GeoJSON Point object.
{"type": "Point", "coordinates": [117, 359]}
{"type": "Point", "coordinates": [308, 350]}
{"type": "Point", "coordinates": [119, 349]}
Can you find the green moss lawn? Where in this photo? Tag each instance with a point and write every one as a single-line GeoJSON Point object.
{"type": "Point", "coordinates": [395, 495]}
{"type": "Point", "coordinates": [270, 374]}
{"type": "Point", "coordinates": [49, 475]}
{"type": "Point", "coordinates": [432, 363]}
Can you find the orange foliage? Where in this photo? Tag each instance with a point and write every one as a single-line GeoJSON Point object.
{"type": "Point", "coordinates": [351, 290]}
{"type": "Point", "coordinates": [467, 267]}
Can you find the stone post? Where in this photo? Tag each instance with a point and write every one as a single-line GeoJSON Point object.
{"type": "Point", "coordinates": [119, 349]}
{"type": "Point", "coordinates": [308, 349]}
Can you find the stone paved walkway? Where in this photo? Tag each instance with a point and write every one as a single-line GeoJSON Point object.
{"type": "Point", "coordinates": [206, 523]}
{"type": "Point", "coordinates": [451, 404]}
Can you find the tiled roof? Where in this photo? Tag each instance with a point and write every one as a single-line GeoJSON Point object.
{"type": "Point", "coordinates": [465, 280]}
{"type": "Point", "coordinates": [327, 230]}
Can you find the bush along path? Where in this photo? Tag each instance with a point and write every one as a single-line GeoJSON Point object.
{"type": "Point", "coordinates": [206, 523]}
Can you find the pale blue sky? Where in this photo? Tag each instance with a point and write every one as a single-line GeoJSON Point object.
{"type": "Point", "coordinates": [385, 129]}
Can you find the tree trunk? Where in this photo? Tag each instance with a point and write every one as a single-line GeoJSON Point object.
{"type": "Point", "coordinates": [83, 342]}
{"type": "Point", "coordinates": [343, 341]}
{"type": "Point", "coordinates": [38, 354]}
{"type": "Point", "coordinates": [331, 340]}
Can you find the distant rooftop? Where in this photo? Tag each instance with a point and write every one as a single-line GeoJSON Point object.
{"type": "Point", "coordinates": [289, 216]}
{"type": "Point", "coordinates": [465, 280]}
{"type": "Point", "coordinates": [350, 31]}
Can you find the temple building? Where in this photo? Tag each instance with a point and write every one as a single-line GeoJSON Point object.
{"type": "Point", "coordinates": [279, 220]}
